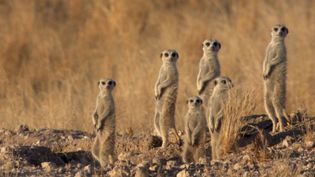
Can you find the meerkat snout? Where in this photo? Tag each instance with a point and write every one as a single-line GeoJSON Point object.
{"type": "Point", "coordinates": [223, 82]}
{"type": "Point", "coordinates": [279, 30]}
{"type": "Point", "coordinates": [194, 101]}
{"type": "Point", "coordinates": [108, 84]}
{"type": "Point", "coordinates": [212, 45]}
{"type": "Point", "coordinates": [169, 55]}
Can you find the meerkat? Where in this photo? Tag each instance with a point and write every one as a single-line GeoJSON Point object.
{"type": "Point", "coordinates": [103, 149]}
{"type": "Point", "coordinates": [275, 74]}
{"type": "Point", "coordinates": [217, 102]}
{"type": "Point", "coordinates": [209, 68]}
{"type": "Point", "coordinates": [195, 131]}
{"type": "Point", "coordinates": [165, 95]}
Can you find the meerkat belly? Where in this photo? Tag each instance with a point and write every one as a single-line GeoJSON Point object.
{"type": "Point", "coordinates": [278, 74]}
{"type": "Point", "coordinates": [170, 94]}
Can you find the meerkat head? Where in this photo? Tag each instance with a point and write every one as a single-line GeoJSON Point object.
{"type": "Point", "coordinates": [279, 31]}
{"type": "Point", "coordinates": [223, 83]}
{"type": "Point", "coordinates": [194, 102]}
{"type": "Point", "coordinates": [211, 46]}
{"type": "Point", "coordinates": [106, 84]}
{"type": "Point", "coordinates": [169, 56]}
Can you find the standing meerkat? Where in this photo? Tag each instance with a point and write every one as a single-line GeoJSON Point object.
{"type": "Point", "coordinates": [275, 74]}
{"type": "Point", "coordinates": [209, 68]}
{"type": "Point", "coordinates": [195, 131]}
{"type": "Point", "coordinates": [103, 118]}
{"type": "Point", "coordinates": [165, 94]}
{"type": "Point", "coordinates": [217, 102]}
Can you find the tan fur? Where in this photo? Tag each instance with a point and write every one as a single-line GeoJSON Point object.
{"type": "Point", "coordinates": [195, 131]}
{"type": "Point", "coordinates": [275, 74]}
{"type": "Point", "coordinates": [209, 68]}
{"type": "Point", "coordinates": [166, 94]}
{"type": "Point", "coordinates": [103, 149]}
{"type": "Point", "coordinates": [217, 102]}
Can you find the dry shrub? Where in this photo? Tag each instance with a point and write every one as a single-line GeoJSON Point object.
{"type": "Point", "coordinates": [52, 52]}
{"type": "Point", "coordinates": [283, 168]}
{"type": "Point", "coordinates": [239, 104]}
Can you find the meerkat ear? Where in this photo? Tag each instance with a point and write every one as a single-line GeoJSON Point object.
{"type": "Point", "coordinates": [187, 101]}
{"type": "Point", "coordinates": [161, 54]}
{"type": "Point", "coordinates": [219, 44]}
{"type": "Point", "coordinates": [98, 82]}
{"type": "Point", "coordinates": [201, 101]}
{"type": "Point", "coordinates": [114, 83]}
{"type": "Point", "coordinates": [287, 30]}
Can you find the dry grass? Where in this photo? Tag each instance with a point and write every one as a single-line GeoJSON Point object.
{"type": "Point", "coordinates": [52, 52]}
{"type": "Point", "coordinates": [239, 104]}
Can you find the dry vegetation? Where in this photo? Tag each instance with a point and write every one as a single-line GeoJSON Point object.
{"type": "Point", "coordinates": [52, 52]}
{"type": "Point", "coordinates": [239, 104]}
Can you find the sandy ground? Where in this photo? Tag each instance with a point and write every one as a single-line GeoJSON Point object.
{"type": "Point", "coordinates": [49, 152]}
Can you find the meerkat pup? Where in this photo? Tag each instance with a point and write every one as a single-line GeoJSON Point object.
{"type": "Point", "coordinates": [275, 74]}
{"type": "Point", "coordinates": [209, 68]}
{"type": "Point", "coordinates": [217, 102]}
{"type": "Point", "coordinates": [165, 94]}
{"type": "Point", "coordinates": [195, 131]}
{"type": "Point", "coordinates": [104, 123]}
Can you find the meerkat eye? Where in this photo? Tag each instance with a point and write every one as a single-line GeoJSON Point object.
{"type": "Point", "coordinates": [207, 44]}
{"type": "Point", "coordinates": [103, 83]}
{"type": "Point", "coordinates": [166, 54]}
{"type": "Point", "coordinates": [223, 81]}
{"type": "Point", "coordinates": [275, 29]}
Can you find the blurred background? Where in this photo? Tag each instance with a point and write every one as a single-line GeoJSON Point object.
{"type": "Point", "coordinates": [52, 53]}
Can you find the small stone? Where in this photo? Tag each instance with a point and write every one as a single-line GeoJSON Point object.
{"type": "Point", "coordinates": [153, 168]}
{"type": "Point", "coordinates": [4, 150]}
{"type": "Point", "coordinates": [309, 144]}
{"type": "Point", "coordinates": [47, 166]}
{"type": "Point", "coordinates": [170, 164]}
{"type": "Point", "coordinates": [79, 174]}
{"type": "Point", "coordinates": [182, 173]}
{"type": "Point", "coordinates": [246, 158]}
{"type": "Point", "coordinates": [70, 137]}
{"type": "Point", "coordinates": [287, 141]}
{"type": "Point", "coordinates": [237, 166]}
{"type": "Point", "coordinates": [87, 169]}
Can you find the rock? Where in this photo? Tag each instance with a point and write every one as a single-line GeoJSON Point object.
{"type": "Point", "coordinates": [237, 166]}
{"type": "Point", "coordinates": [79, 174]}
{"type": "Point", "coordinates": [183, 173]}
{"type": "Point", "coordinates": [153, 168]}
{"type": "Point", "coordinates": [47, 166]}
{"type": "Point", "coordinates": [124, 156]}
{"type": "Point", "coordinates": [309, 144]}
{"type": "Point", "coordinates": [170, 164]}
{"type": "Point", "coordinates": [87, 169]}
{"type": "Point", "coordinates": [4, 150]}
{"type": "Point", "coordinates": [287, 142]}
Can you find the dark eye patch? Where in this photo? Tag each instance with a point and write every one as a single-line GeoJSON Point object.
{"type": "Point", "coordinates": [103, 83]}
{"type": "Point", "coordinates": [275, 29]}
{"type": "Point", "coordinates": [166, 54]}
{"type": "Point", "coordinates": [223, 81]}
{"type": "Point", "coordinates": [191, 101]}
{"type": "Point", "coordinates": [207, 44]}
